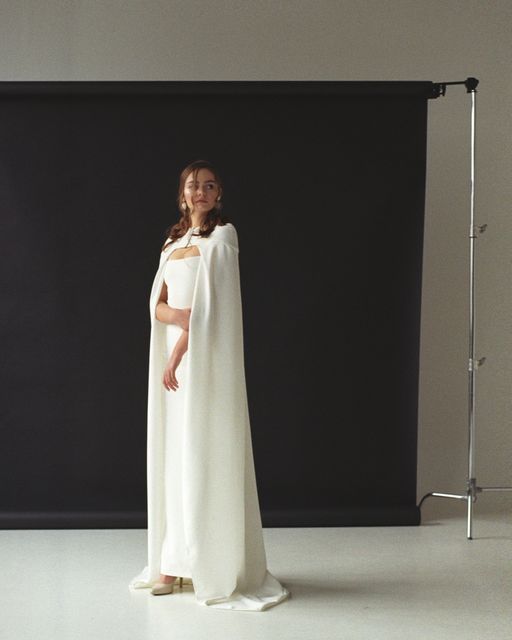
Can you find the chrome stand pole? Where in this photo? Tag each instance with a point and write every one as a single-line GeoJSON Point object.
{"type": "Point", "coordinates": [472, 489]}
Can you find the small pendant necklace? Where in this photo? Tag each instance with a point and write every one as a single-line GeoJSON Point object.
{"type": "Point", "coordinates": [190, 237]}
{"type": "Point", "coordinates": [188, 242]}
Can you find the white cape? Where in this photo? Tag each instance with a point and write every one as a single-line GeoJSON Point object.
{"type": "Point", "coordinates": [222, 521]}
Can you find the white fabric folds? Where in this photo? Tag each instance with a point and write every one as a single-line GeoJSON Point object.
{"type": "Point", "coordinates": [222, 521]}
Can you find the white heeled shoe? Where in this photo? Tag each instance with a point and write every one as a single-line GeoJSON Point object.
{"type": "Point", "coordinates": [162, 588]}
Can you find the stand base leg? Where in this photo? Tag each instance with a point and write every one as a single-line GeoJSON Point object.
{"type": "Point", "coordinates": [470, 497]}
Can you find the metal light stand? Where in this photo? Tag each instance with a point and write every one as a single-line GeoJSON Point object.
{"type": "Point", "coordinates": [472, 488]}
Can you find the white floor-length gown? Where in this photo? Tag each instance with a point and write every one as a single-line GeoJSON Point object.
{"type": "Point", "coordinates": [204, 520]}
{"type": "Point", "coordinates": [180, 278]}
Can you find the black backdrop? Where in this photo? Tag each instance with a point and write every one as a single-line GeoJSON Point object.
{"type": "Point", "coordinates": [325, 183]}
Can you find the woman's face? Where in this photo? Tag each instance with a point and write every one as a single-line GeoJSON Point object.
{"type": "Point", "coordinates": [200, 197]}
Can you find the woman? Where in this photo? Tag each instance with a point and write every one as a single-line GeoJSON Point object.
{"type": "Point", "coordinates": [204, 522]}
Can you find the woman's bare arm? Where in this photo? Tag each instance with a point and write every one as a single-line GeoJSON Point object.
{"type": "Point", "coordinates": [164, 312]}
{"type": "Point", "coordinates": [170, 315]}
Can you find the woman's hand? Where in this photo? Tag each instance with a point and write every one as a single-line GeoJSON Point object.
{"type": "Point", "coordinates": [169, 378]}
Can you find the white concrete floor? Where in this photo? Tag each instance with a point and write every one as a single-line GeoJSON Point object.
{"type": "Point", "coordinates": [346, 583]}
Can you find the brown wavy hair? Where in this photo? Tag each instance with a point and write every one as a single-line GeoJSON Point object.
{"type": "Point", "coordinates": [213, 217]}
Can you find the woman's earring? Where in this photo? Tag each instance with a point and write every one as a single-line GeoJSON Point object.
{"type": "Point", "coordinates": [183, 205]}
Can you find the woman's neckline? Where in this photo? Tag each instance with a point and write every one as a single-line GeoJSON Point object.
{"type": "Point", "coordinates": [180, 259]}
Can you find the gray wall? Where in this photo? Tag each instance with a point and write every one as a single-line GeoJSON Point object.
{"type": "Point", "coordinates": [348, 40]}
